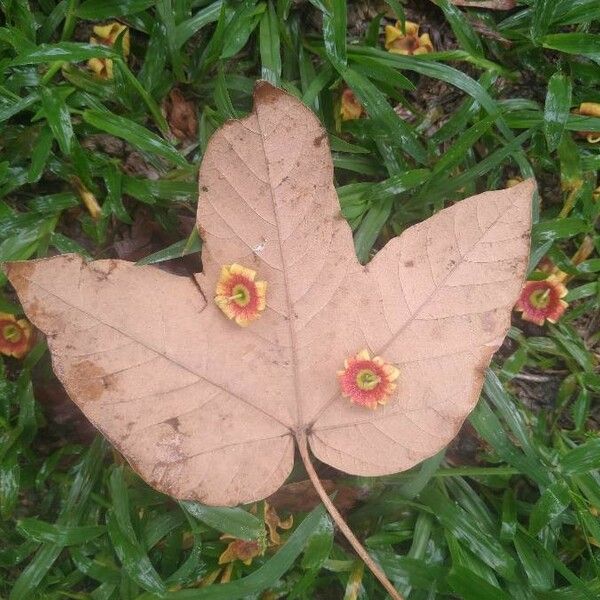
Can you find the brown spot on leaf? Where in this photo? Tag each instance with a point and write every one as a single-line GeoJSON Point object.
{"type": "Point", "coordinates": [174, 423]}
{"type": "Point", "coordinates": [86, 381]}
{"type": "Point", "coordinates": [319, 139]}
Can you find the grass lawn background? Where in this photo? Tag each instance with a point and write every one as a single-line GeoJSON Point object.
{"type": "Point", "coordinates": [106, 166]}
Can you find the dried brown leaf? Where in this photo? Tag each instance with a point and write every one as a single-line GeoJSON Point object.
{"type": "Point", "coordinates": [206, 410]}
{"type": "Point", "coordinates": [181, 115]}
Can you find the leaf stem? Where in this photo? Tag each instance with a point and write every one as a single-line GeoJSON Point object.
{"type": "Point", "coordinates": [339, 520]}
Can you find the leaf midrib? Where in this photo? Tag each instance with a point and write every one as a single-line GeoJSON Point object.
{"type": "Point", "coordinates": [300, 426]}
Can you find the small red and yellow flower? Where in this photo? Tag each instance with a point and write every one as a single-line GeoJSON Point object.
{"type": "Point", "coordinates": [367, 381]}
{"type": "Point", "coordinates": [15, 336]}
{"type": "Point", "coordinates": [350, 108]}
{"type": "Point", "coordinates": [107, 36]}
{"type": "Point", "coordinates": [589, 109]}
{"type": "Point", "coordinates": [409, 43]}
{"type": "Point", "coordinates": [244, 550]}
{"type": "Point", "coordinates": [239, 296]}
{"type": "Point", "coordinates": [542, 301]}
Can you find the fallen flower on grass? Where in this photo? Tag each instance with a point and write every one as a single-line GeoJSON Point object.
{"type": "Point", "coordinates": [367, 381]}
{"type": "Point", "coordinates": [247, 550]}
{"type": "Point", "coordinates": [15, 336]}
{"type": "Point", "coordinates": [244, 550]}
{"type": "Point", "coordinates": [350, 108]}
{"type": "Point", "coordinates": [589, 109]}
{"type": "Point", "coordinates": [107, 35]}
{"type": "Point", "coordinates": [542, 300]}
{"type": "Point", "coordinates": [408, 42]}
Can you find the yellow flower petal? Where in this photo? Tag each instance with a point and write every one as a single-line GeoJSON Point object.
{"type": "Point", "coordinates": [589, 109]}
{"type": "Point", "coordinates": [391, 35]}
{"type": "Point", "coordinates": [108, 34]}
{"type": "Point", "coordinates": [411, 27]}
{"type": "Point", "coordinates": [408, 42]}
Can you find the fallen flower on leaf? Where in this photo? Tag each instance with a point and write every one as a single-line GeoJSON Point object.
{"type": "Point", "coordinates": [589, 109]}
{"type": "Point", "coordinates": [15, 336]}
{"type": "Point", "coordinates": [240, 297]}
{"type": "Point", "coordinates": [350, 108]}
{"type": "Point", "coordinates": [409, 43]}
{"type": "Point", "coordinates": [107, 36]}
{"type": "Point", "coordinates": [542, 301]}
{"type": "Point", "coordinates": [367, 381]}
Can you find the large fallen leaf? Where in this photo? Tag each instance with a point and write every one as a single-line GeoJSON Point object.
{"type": "Point", "coordinates": [209, 411]}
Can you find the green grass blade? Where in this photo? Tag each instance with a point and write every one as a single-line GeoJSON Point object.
{"type": "Point", "coordinates": [135, 134]}
{"type": "Point", "coordinates": [556, 110]}
{"type": "Point", "coordinates": [266, 575]}
{"type": "Point", "coordinates": [234, 521]}
{"type": "Point", "coordinates": [107, 9]}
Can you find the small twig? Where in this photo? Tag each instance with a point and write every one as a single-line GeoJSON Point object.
{"type": "Point", "coordinates": [533, 378]}
{"type": "Point", "coordinates": [339, 520]}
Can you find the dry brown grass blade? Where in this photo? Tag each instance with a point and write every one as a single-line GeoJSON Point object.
{"type": "Point", "coordinates": [209, 411]}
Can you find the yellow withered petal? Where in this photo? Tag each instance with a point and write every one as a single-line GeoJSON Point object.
{"type": "Point", "coordinates": [589, 109]}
